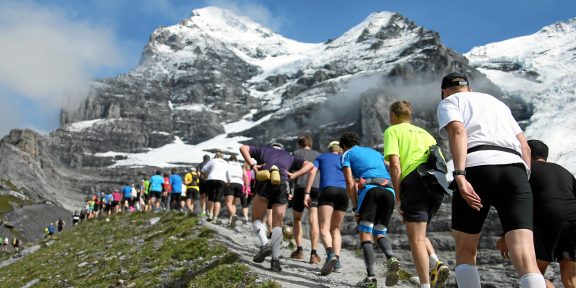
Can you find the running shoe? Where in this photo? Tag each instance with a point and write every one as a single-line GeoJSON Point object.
{"type": "Point", "coordinates": [439, 274]}
{"type": "Point", "coordinates": [232, 223]}
{"type": "Point", "coordinates": [315, 259]}
{"type": "Point", "coordinates": [338, 267]}
{"type": "Point", "coordinates": [328, 266]}
{"type": "Point", "coordinates": [265, 250]}
{"type": "Point", "coordinates": [392, 276]}
{"type": "Point", "coordinates": [368, 282]}
{"type": "Point", "coordinates": [275, 265]}
{"type": "Point", "coordinates": [298, 255]}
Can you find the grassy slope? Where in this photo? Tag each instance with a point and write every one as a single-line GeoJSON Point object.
{"type": "Point", "coordinates": [128, 252]}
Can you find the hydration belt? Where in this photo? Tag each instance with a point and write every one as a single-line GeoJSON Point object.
{"type": "Point", "coordinates": [492, 147]}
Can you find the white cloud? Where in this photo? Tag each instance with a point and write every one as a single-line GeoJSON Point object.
{"type": "Point", "coordinates": [46, 53]}
{"type": "Point", "coordinates": [256, 12]}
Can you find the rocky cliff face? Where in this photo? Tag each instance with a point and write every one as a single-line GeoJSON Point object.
{"type": "Point", "coordinates": [213, 69]}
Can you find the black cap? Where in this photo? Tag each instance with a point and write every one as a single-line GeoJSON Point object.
{"type": "Point", "coordinates": [454, 79]}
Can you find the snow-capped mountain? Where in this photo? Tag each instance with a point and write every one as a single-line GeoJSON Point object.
{"type": "Point", "coordinates": [220, 78]}
{"type": "Point", "coordinates": [539, 68]}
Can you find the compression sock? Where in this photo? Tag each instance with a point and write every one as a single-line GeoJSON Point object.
{"type": "Point", "coordinates": [532, 280]}
{"type": "Point", "coordinates": [467, 276]}
{"type": "Point", "coordinates": [260, 230]}
{"type": "Point", "coordinates": [369, 257]}
{"type": "Point", "coordinates": [386, 247]}
{"type": "Point", "coordinates": [276, 241]}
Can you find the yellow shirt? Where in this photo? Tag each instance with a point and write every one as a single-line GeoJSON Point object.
{"type": "Point", "coordinates": [410, 143]}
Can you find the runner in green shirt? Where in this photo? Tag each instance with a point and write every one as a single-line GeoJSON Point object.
{"type": "Point", "coordinates": [406, 147]}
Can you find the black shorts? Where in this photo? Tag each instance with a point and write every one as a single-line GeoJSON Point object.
{"type": "Point", "coordinates": [234, 189]}
{"type": "Point", "coordinates": [555, 241]}
{"type": "Point", "coordinates": [96, 207]}
{"type": "Point", "coordinates": [176, 196]}
{"type": "Point", "coordinates": [215, 190]}
{"type": "Point", "coordinates": [203, 186]}
{"type": "Point", "coordinates": [418, 202]}
{"type": "Point", "coordinates": [192, 193]}
{"type": "Point", "coordinates": [298, 198]}
{"type": "Point", "coordinates": [377, 206]}
{"type": "Point", "coordinates": [275, 194]}
{"type": "Point", "coordinates": [505, 187]}
{"type": "Point", "coordinates": [146, 198]}
{"type": "Point", "coordinates": [114, 203]}
{"type": "Point", "coordinates": [335, 197]}
{"type": "Point", "coordinates": [155, 194]}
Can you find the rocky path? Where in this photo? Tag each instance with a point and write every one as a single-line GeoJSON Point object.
{"type": "Point", "coordinates": [297, 273]}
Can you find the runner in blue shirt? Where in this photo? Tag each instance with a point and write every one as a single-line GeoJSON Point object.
{"type": "Point", "coordinates": [332, 203]}
{"type": "Point", "coordinates": [176, 196]}
{"type": "Point", "coordinates": [369, 187]}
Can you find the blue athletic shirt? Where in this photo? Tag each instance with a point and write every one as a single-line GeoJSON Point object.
{"type": "Point", "coordinates": [176, 182]}
{"type": "Point", "coordinates": [365, 163]}
{"type": "Point", "coordinates": [330, 167]}
{"type": "Point", "coordinates": [156, 183]}
{"type": "Point", "coordinates": [127, 191]}
{"type": "Point", "coordinates": [109, 198]}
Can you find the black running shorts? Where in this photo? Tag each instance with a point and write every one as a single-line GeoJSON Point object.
{"type": "Point", "coordinates": [192, 194]}
{"type": "Point", "coordinates": [155, 194]}
{"type": "Point", "coordinates": [505, 187]}
{"type": "Point", "coordinates": [417, 201]}
{"type": "Point", "coordinates": [298, 198]}
{"type": "Point", "coordinates": [335, 197]}
{"type": "Point", "coordinates": [276, 194]}
{"type": "Point", "coordinates": [234, 189]}
{"type": "Point", "coordinates": [555, 241]}
{"type": "Point", "coordinates": [216, 190]}
{"type": "Point", "coordinates": [203, 186]}
{"type": "Point", "coordinates": [377, 206]}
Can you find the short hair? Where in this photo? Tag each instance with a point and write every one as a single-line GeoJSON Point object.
{"type": "Point", "coordinates": [219, 154]}
{"type": "Point", "coordinates": [305, 141]}
{"type": "Point", "coordinates": [233, 158]}
{"type": "Point", "coordinates": [402, 109]}
{"type": "Point", "coordinates": [173, 171]}
{"type": "Point", "coordinates": [158, 172]}
{"type": "Point", "coordinates": [349, 139]}
{"type": "Point", "coordinates": [538, 149]}
{"type": "Point", "coordinates": [206, 157]}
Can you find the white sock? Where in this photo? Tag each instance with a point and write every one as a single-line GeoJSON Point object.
{"type": "Point", "coordinates": [532, 280]}
{"type": "Point", "coordinates": [260, 231]}
{"type": "Point", "coordinates": [433, 260]}
{"type": "Point", "coordinates": [467, 276]}
{"type": "Point", "coordinates": [425, 285]}
{"type": "Point", "coordinates": [276, 240]}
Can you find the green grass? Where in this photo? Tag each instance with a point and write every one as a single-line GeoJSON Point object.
{"type": "Point", "coordinates": [5, 205]}
{"type": "Point", "coordinates": [127, 252]}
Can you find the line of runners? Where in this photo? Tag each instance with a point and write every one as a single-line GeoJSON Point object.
{"type": "Point", "coordinates": [492, 162]}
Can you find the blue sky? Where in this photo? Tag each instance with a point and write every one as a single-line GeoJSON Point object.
{"type": "Point", "coordinates": [47, 40]}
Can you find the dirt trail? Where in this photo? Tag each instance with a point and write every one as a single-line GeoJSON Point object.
{"type": "Point", "coordinates": [297, 273]}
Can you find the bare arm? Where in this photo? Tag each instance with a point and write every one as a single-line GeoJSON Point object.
{"type": "Point", "coordinates": [309, 183]}
{"type": "Point", "coordinates": [395, 173]}
{"type": "Point", "coordinates": [526, 152]}
{"type": "Point", "coordinates": [306, 167]}
{"type": "Point", "coordinates": [458, 146]}
{"type": "Point", "coordinates": [350, 186]}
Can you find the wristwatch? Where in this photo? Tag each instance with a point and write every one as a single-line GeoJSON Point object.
{"type": "Point", "coordinates": [459, 172]}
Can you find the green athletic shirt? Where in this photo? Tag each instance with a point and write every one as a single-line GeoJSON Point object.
{"type": "Point", "coordinates": [410, 143]}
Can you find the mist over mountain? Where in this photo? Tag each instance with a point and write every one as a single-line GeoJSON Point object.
{"type": "Point", "coordinates": [216, 80]}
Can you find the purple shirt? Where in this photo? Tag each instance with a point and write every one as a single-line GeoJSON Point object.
{"type": "Point", "coordinates": [268, 156]}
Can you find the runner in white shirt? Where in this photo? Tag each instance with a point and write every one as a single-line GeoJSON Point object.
{"type": "Point", "coordinates": [216, 170]}
{"type": "Point", "coordinates": [491, 157]}
{"type": "Point", "coordinates": [234, 194]}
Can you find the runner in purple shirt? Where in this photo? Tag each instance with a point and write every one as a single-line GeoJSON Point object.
{"type": "Point", "coordinates": [267, 193]}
